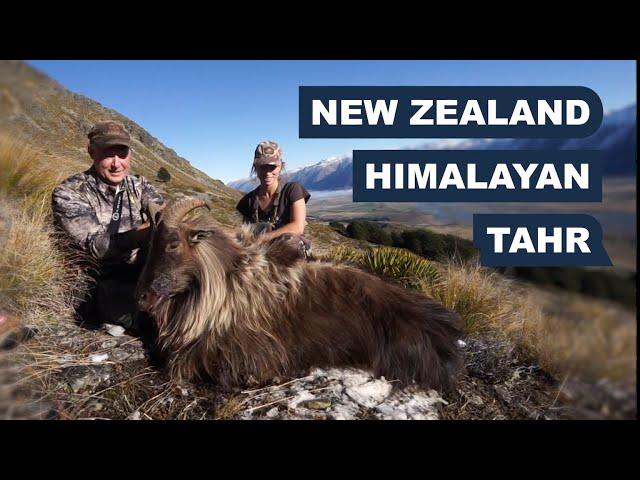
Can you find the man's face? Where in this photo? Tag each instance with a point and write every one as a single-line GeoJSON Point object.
{"type": "Point", "coordinates": [112, 163]}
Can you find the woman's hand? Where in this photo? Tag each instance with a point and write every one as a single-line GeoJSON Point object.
{"type": "Point", "coordinates": [296, 226]}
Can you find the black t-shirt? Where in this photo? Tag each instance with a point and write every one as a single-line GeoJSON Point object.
{"type": "Point", "coordinates": [290, 192]}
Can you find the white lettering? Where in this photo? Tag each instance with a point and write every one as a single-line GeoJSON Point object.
{"type": "Point", "coordinates": [425, 106]}
{"type": "Point", "coordinates": [384, 175]}
{"type": "Point", "coordinates": [330, 115]}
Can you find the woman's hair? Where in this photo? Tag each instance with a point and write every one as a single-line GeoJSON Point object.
{"type": "Point", "coordinates": [254, 173]}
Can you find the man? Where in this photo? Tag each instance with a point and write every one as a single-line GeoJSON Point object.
{"type": "Point", "coordinates": [105, 213]}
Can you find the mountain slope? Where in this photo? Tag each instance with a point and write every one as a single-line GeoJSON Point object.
{"type": "Point", "coordinates": [334, 173]}
{"type": "Point", "coordinates": [616, 138]}
{"type": "Point", "coordinates": [37, 110]}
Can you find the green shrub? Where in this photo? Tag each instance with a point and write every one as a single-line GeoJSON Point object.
{"type": "Point", "coordinates": [338, 227]}
{"type": "Point", "coordinates": [358, 230]}
{"type": "Point", "coordinates": [379, 236]}
{"type": "Point", "coordinates": [411, 270]}
{"type": "Point", "coordinates": [596, 283]}
{"type": "Point", "coordinates": [401, 265]}
{"type": "Point", "coordinates": [342, 254]}
{"type": "Point", "coordinates": [163, 175]}
{"type": "Point", "coordinates": [432, 245]}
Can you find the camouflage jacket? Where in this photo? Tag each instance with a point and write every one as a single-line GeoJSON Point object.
{"type": "Point", "coordinates": [83, 206]}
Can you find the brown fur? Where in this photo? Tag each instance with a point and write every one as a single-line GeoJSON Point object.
{"type": "Point", "coordinates": [227, 309]}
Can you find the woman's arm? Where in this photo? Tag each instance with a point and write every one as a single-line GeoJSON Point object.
{"type": "Point", "coordinates": [296, 226]}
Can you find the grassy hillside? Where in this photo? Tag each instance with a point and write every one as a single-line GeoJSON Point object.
{"type": "Point", "coordinates": [38, 111]}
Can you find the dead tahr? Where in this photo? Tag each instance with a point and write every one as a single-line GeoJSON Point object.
{"type": "Point", "coordinates": [227, 309]}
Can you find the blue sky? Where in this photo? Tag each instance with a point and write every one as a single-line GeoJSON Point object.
{"type": "Point", "coordinates": [214, 113]}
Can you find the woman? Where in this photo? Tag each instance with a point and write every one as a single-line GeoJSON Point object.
{"type": "Point", "coordinates": [274, 207]}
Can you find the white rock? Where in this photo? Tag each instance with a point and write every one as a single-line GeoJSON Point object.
{"type": "Point", "coordinates": [109, 344]}
{"type": "Point", "coordinates": [387, 412]}
{"type": "Point", "coordinates": [344, 411]}
{"type": "Point", "coordinates": [300, 397]}
{"type": "Point", "coordinates": [114, 330]}
{"type": "Point", "coordinates": [272, 413]}
{"type": "Point", "coordinates": [134, 416]}
{"type": "Point", "coordinates": [462, 344]}
{"type": "Point", "coordinates": [349, 377]}
{"type": "Point", "coordinates": [317, 372]}
{"type": "Point", "coordinates": [369, 394]}
{"type": "Point", "coordinates": [98, 358]}
{"type": "Point", "coordinates": [352, 394]}
{"type": "Point", "coordinates": [404, 405]}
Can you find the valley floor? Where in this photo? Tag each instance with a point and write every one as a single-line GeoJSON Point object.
{"type": "Point", "coordinates": [616, 213]}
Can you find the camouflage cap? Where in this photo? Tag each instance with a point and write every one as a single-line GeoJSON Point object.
{"type": "Point", "coordinates": [106, 134]}
{"type": "Point", "coordinates": [267, 153]}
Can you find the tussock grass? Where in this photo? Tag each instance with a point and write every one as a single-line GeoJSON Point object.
{"type": "Point", "coordinates": [36, 277]}
{"type": "Point", "coordinates": [480, 297]}
{"type": "Point", "coordinates": [578, 336]}
{"type": "Point", "coordinates": [568, 335]}
{"type": "Point", "coordinates": [29, 175]}
{"type": "Point", "coordinates": [39, 283]}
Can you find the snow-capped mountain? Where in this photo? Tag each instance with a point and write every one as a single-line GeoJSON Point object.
{"type": "Point", "coordinates": [616, 138]}
{"type": "Point", "coordinates": [333, 173]}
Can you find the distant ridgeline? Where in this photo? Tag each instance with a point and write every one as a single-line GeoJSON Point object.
{"type": "Point", "coordinates": [441, 247]}
{"type": "Point", "coordinates": [616, 139]}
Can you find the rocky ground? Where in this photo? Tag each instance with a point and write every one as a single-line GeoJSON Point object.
{"type": "Point", "coordinates": [105, 373]}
